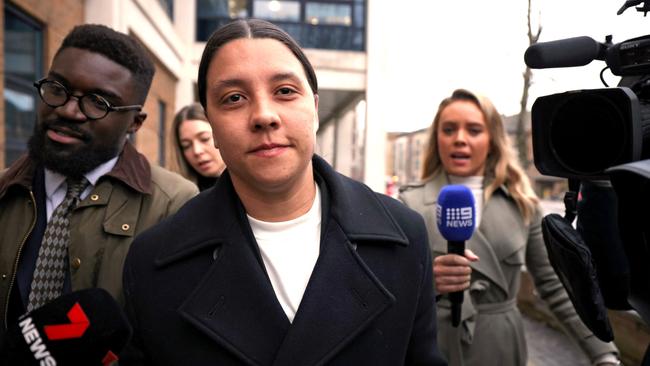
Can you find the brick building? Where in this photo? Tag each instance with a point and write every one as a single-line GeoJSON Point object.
{"type": "Point", "coordinates": [32, 32]}
{"type": "Point", "coordinates": [333, 32]}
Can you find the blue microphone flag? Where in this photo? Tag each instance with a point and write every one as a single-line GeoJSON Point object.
{"type": "Point", "coordinates": [455, 214]}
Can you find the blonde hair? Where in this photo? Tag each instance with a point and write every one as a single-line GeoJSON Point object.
{"type": "Point", "coordinates": [501, 165]}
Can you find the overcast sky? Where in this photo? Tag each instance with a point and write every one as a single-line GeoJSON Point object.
{"type": "Point", "coordinates": [479, 45]}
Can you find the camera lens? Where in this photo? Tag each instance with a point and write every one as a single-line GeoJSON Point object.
{"type": "Point", "coordinates": [588, 134]}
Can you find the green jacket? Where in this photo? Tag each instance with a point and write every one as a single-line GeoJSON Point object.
{"type": "Point", "coordinates": [491, 331]}
{"type": "Point", "coordinates": [125, 202]}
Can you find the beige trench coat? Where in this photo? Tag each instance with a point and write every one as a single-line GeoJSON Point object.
{"type": "Point", "coordinates": [491, 331]}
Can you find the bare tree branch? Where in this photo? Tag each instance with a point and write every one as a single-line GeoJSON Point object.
{"type": "Point", "coordinates": [522, 134]}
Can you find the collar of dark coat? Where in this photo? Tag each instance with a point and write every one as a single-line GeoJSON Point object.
{"type": "Point", "coordinates": [132, 168]}
{"type": "Point", "coordinates": [352, 205]}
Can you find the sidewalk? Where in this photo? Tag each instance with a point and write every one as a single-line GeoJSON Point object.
{"type": "Point", "coordinates": [550, 347]}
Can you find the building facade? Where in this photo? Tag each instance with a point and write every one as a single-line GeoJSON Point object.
{"type": "Point", "coordinates": [405, 156]}
{"type": "Point", "coordinates": [334, 34]}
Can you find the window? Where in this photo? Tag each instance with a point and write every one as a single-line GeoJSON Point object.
{"type": "Point", "coordinates": [275, 10]}
{"type": "Point", "coordinates": [325, 24]}
{"type": "Point", "coordinates": [323, 13]}
{"type": "Point", "coordinates": [23, 55]}
{"type": "Point", "coordinates": [162, 132]}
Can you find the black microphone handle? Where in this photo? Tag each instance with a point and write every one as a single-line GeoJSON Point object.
{"type": "Point", "coordinates": [456, 298]}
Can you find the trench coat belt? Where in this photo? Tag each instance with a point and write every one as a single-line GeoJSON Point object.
{"type": "Point", "coordinates": [497, 307]}
{"type": "Point", "coordinates": [469, 315]}
{"type": "Point", "coordinates": [464, 333]}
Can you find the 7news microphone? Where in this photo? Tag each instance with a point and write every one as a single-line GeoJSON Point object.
{"type": "Point", "coordinates": [84, 327]}
{"type": "Point", "coordinates": [456, 222]}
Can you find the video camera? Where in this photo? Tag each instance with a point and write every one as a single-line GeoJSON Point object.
{"type": "Point", "coordinates": [581, 133]}
{"type": "Point", "coordinates": [599, 139]}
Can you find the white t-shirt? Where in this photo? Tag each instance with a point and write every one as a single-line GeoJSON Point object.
{"type": "Point", "coordinates": [289, 250]}
{"type": "Point", "coordinates": [475, 184]}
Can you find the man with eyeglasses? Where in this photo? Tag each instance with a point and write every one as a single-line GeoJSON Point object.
{"type": "Point", "coordinates": [71, 206]}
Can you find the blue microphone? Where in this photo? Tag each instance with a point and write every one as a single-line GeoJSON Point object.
{"type": "Point", "coordinates": [456, 221]}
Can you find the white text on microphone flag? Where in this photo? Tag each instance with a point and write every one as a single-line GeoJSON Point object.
{"type": "Point", "coordinates": [458, 217]}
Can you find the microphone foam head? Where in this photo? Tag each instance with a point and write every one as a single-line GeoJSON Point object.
{"type": "Point", "coordinates": [84, 327]}
{"type": "Point", "coordinates": [455, 214]}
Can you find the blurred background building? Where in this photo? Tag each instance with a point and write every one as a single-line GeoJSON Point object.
{"type": "Point", "coordinates": [342, 38]}
{"type": "Point", "coordinates": [406, 151]}
{"type": "Point", "coordinates": [333, 32]}
{"type": "Point", "coordinates": [346, 41]}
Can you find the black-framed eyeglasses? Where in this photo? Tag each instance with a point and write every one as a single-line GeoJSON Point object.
{"type": "Point", "coordinates": [93, 106]}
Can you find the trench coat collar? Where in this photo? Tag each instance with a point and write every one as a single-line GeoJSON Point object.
{"type": "Point", "coordinates": [132, 168]}
{"type": "Point", "coordinates": [342, 297]}
{"type": "Point", "coordinates": [489, 264]}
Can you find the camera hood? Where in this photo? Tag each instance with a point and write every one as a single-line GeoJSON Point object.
{"type": "Point", "coordinates": [581, 133]}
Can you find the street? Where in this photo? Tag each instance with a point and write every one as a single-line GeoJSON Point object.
{"type": "Point", "coordinates": [550, 347]}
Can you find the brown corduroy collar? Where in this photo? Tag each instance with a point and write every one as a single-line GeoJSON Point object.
{"type": "Point", "coordinates": [132, 168]}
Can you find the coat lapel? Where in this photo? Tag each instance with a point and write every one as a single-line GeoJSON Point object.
{"type": "Point", "coordinates": [342, 298]}
{"type": "Point", "coordinates": [233, 303]}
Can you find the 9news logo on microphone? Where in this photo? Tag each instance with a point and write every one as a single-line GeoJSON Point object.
{"type": "Point", "coordinates": [455, 212]}
{"type": "Point", "coordinates": [456, 217]}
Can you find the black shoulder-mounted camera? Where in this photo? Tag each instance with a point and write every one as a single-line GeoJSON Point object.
{"type": "Point", "coordinates": [600, 140]}
{"type": "Point", "coordinates": [581, 133]}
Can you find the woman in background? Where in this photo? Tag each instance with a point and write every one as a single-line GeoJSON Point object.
{"type": "Point", "coordinates": [468, 145]}
{"type": "Point", "coordinates": [196, 155]}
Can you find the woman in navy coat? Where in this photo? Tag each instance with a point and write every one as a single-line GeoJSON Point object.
{"type": "Point", "coordinates": [222, 282]}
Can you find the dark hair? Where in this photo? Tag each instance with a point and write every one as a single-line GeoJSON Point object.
{"type": "Point", "coordinates": [193, 111]}
{"type": "Point", "coordinates": [116, 46]}
{"type": "Point", "coordinates": [250, 28]}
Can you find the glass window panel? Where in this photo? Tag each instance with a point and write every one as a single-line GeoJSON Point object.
{"type": "Point", "coordinates": [211, 14]}
{"type": "Point", "coordinates": [233, 9]}
{"type": "Point", "coordinates": [328, 13]}
{"type": "Point", "coordinates": [205, 27]}
{"type": "Point", "coordinates": [23, 65]}
{"type": "Point", "coordinates": [326, 24]}
{"type": "Point", "coordinates": [19, 120]}
{"type": "Point", "coordinates": [21, 42]}
{"type": "Point", "coordinates": [359, 15]}
{"type": "Point", "coordinates": [358, 43]}
{"type": "Point", "coordinates": [277, 10]}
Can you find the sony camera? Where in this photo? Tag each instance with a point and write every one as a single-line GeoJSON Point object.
{"type": "Point", "coordinates": [599, 139]}
{"type": "Point", "coordinates": [581, 133]}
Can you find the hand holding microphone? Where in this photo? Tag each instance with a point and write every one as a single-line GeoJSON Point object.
{"type": "Point", "coordinates": [456, 222]}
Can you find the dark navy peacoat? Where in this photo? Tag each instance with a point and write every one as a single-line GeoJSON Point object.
{"type": "Point", "coordinates": [197, 292]}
